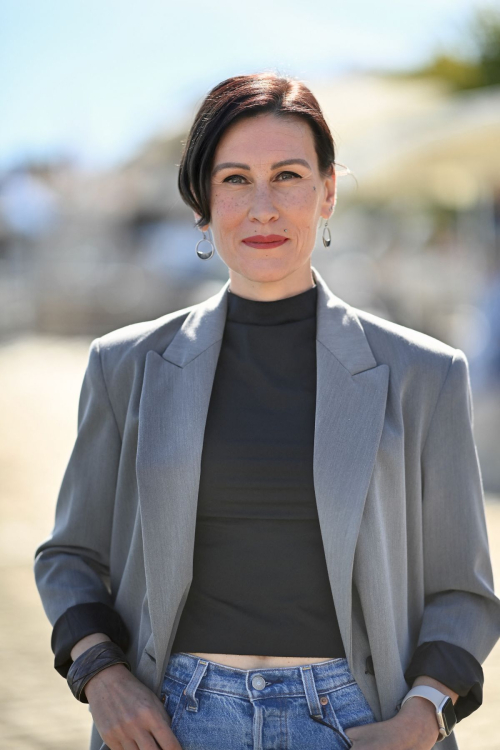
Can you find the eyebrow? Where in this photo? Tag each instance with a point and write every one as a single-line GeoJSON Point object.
{"type": "Point", "coordinates": [238, 165]}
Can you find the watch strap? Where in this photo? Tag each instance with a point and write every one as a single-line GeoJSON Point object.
{"type": "Point", "coordinates": [437, 698]}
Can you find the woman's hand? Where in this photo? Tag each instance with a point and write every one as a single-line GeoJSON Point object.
{"type": "Point", "coordinates": [415, 727]}
{"type": "Point", "coordinates": [127, 714]}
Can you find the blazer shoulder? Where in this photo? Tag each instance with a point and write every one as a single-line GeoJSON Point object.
{"type": "Point", "coordinates": [407, 350]}
{"type": "Point", "coordinates": [123, 351]}
{"type": "Point", "coordinates": [137, 338]}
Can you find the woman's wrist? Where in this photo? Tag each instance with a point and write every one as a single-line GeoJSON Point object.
{"type": "Point", "coordinates": [107, 676]}
{"type": "Point", "coordinates": [92, 661]}
{"type": "Point", "coordinates": [419, 722]}
{"type": "Point", "coordinates": [431, 682]}
{"type": "Point", "coordinates": [86, 643]}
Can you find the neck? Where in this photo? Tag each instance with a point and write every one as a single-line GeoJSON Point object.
{"type": "Point", "coordinates": [271, 289]}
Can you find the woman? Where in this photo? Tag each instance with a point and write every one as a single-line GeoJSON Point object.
{"type": "Point", "coordinates": [271, 526]}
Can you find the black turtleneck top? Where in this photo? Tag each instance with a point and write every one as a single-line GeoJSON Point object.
{"type": "Point", "coordinates": [260, 584]}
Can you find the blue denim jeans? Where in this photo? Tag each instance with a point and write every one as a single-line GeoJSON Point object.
{"type": "Point", "coordinates": [215, 707]}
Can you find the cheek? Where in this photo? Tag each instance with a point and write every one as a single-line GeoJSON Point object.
{"type": "Point", "coordinates": [301, 200]}
{"type": "Point", "coordinates": [300, 206]}
{"type": "Point", "coordinates": [227, 207]}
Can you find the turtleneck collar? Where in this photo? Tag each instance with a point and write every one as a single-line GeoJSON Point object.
{"type": "Point", "coordinates": [287, 310]}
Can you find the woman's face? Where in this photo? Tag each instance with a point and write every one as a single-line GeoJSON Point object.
{"type": "Point", "coordinates": [255, 195]}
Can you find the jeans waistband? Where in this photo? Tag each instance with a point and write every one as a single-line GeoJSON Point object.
{"type": "Point", "coordinates": [258, 683]}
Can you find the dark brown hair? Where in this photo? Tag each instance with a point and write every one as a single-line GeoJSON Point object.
{"type": "Point", "coordinates": [234, 99]}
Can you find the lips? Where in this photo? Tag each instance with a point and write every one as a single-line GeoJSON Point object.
{"type": "Point", "coordinates": [265, 241]}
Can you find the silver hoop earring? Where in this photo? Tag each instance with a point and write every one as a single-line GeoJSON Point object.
{"type": "Point", "coordinates": [327, 237]}
{"type": "Point", "coordinates": [200, 253]}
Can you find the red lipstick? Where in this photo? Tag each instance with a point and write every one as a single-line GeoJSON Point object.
{"type": "Point", "coordinates": [261, 241]}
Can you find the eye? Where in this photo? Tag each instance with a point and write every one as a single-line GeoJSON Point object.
{"type": "Point", "coordinates": [234, 176]}
{"type": "Point", "coordinates": [294, 174]}
{"type": "Point", "coordinates": [234, 179]}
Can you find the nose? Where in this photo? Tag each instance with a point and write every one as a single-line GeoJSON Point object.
{"type": "Point", "coordinates": [263, 208]}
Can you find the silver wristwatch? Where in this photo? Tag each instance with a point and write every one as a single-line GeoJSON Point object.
{"type": "Point", "coordinates": [445, 712]}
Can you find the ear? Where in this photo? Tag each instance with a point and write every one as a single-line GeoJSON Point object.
{"type": "Point", "coordinates": [196, 218]}
{"type": "Point", "coordinates": [330, 198]}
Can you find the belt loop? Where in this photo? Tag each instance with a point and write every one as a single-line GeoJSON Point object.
{"type": "Point", "coordinates": [192, 686]}
{"type": "Point", "coordinates": [311, 692]}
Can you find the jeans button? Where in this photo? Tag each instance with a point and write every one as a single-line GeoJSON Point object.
{"type": "Point", "coordinates": [258, 682]}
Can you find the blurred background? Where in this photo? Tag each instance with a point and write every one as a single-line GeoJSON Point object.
{"type": "Point", "coordinates": [97, 98]}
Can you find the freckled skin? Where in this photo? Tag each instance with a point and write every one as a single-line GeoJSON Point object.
{"type": "Point", "coordinates": [287, 201]}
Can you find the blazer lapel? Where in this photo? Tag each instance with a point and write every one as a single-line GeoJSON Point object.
{"type": "Point", "coordinates": [172, 415]}
{"type": "Point", "coordinates": [350, 407]}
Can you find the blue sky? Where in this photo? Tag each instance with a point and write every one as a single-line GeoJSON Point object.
{"type": "Point", "coordinates": [96, 78]}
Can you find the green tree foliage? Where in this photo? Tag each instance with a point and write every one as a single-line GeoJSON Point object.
{"type": "Point", "coordinates": [475, 62]}
{"type": "Point", "coordinates": [485, 33]}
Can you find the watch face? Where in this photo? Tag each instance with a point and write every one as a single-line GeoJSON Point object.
{"type": "Point", "coordinates": [448, 714]}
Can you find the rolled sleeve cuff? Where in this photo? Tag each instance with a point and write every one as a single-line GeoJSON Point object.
{"type": "Point", "coordinates": [82, 620]}
{"type": "Point", "coordinates": [454, 667]}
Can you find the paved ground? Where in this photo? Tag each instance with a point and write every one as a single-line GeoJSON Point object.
{"type": "Point", "coordinates": [40, 381]}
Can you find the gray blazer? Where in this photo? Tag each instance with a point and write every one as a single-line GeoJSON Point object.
{"type": "Point", "coordinates": [396, 476]}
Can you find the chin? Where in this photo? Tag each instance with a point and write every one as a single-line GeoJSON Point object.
{"type": "Point", "coordinates": [265, 269]}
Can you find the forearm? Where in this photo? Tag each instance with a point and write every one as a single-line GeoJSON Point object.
{"type": "Point", "coordinates": [86, 643]}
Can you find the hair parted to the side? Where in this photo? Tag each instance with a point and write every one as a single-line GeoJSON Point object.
{"type": "Point", "coordinates": [234, 99]}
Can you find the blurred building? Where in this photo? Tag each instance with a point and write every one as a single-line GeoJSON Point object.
{"type": "Point", "coordinates": [416, 235]}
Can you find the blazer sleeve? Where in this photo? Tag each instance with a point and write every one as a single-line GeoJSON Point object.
{"type": "Point", "coordinates": [461, 608]}
{"type": "Point", "coordinates": [79, 621]}
{"type": "Point", "coordinates": [72, 565]}
{"type": "Point", "coordinates": [454, 667]}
